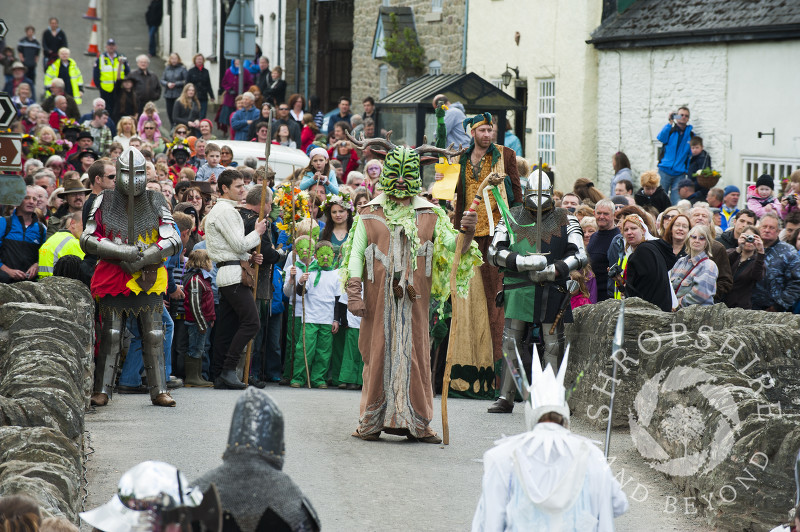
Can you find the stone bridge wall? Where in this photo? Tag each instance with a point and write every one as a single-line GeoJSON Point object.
{"type": "Point", "coordinates": [709, 396]}
{"type": "Point", "coordinates": [46, 368]}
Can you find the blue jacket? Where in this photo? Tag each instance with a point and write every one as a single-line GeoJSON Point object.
{"type": "Point", "coordinates": [33, 234]}
{"type": "Point", "coordinates": [676, 150]}
{"type": "Point", "coordinates": [277, 291]}
{"type": "Point", "coordinates": [239, 121]}
{"type": "Point", "coordinates": [780, 286]}
{"type": "Point", "coordinates": [512, 141]}
{"type": "Point", "coordinates": [332, 187]}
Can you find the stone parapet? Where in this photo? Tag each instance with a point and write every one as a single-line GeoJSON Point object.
{"type": "Point", "coordinates": [709, 396]}
{"type": "Point", "coordinates": [46, 368]}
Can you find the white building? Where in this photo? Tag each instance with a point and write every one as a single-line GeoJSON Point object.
{"type": "Point", "coordinates": [557, 75]}
{"type": "Point", "coordinates": [197, 26]}
{"type": "Point", "coordinates": [732, 66]}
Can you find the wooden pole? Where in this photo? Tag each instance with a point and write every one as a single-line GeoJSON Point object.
{"type": "Point", "coordinates": [492, 179]}
{"type": "Point", "coordinates": [246, 373]}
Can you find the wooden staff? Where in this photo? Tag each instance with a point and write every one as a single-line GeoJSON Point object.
{"type": "Point", "coordinates": [492, 179]}
{"type": "Point", "coordinates": [258, 247]}
{"type": "Point", "coordinates": [293, 297]}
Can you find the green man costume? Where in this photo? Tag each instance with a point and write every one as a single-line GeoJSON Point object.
{"type": "Point", "coordinates": [402, 254]}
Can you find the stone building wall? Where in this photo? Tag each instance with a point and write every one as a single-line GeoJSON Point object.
{"type": "Point", "coordinates": [440, 34]}
{"type": "Point", "coordinates": [638, 87]}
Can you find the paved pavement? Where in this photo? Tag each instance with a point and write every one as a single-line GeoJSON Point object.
{"type": "Point", "coordinates": [392, 484]}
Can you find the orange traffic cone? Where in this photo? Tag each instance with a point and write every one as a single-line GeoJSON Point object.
{"type": "Point", "coordinates": [91, 13]}
{"type": "Point", "coordinates": [93, 50]}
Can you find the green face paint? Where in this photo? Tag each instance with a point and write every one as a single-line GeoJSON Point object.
{"type": "Point", "coordinates": [303, 248]}
{"type": "Point", "coordinates": [325, 257]}
{"type": "Point", "coordinates": [401, 162]}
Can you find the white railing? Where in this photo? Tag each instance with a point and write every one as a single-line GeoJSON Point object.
{"type": "Point", "coordinates": [778, 167]}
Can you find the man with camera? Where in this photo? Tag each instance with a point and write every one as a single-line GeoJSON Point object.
{"type": "Point", "coordinates": [675, 153]}
{"type": "Point", "coordinates": [730, 238]}
{"type": "Point", "coordinates": [108, 68]}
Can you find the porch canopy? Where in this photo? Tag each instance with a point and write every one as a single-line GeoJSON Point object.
{"type": "Point", "coordinates": [409, 114]}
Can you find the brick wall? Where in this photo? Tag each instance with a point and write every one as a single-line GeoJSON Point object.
{"type": "Point", "coordinates": [633, 105]}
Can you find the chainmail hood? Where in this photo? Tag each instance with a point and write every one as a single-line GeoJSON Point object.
{"type": "Point", "coordinates": [148, 209]}
{"type": "Point", "coordinates": [257, 428]}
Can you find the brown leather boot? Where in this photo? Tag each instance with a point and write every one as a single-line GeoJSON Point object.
{"type": "Point", "coordinates": [163, 399]}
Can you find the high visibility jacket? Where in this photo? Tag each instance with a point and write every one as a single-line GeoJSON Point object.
{"type": "Point", "coordinates": [57, 246]}
{"type": "Point", "coordinates": [110, 71]}
{"type": "Point", "coordinates": [75, 77]}
{"type": "Point", "coordinates": [623, 262]}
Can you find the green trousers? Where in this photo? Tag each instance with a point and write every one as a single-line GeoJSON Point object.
{"type": "Point", "coordinates": [352, 363]}
{"type": "Point", "coordinates": [319, 339]}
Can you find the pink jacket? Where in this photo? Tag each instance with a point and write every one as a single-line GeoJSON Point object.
{"type": "Point", "coordinates": [757, 204]}
{"type": "Point", "coordinates": [144, 118]}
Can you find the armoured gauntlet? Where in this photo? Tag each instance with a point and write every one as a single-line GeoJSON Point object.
{"type": "Point", "coordinates": [531, 263]}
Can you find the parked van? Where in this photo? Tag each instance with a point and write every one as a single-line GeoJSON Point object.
{"type": "Point", "coordinates": [282, 159]}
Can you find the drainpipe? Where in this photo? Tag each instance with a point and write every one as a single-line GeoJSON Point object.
{"type": "Point", "coordinates": [297, 50]}
{"type": "Point", "coordinates": [280, 38]}
{"type": "Point", "coordinates": [464, 43]}
{"type": "Point", "coordinates": [306, 54]}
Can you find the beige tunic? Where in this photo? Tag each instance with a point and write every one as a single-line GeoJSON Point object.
{"type": "Point", "coordinates": [397, 396]}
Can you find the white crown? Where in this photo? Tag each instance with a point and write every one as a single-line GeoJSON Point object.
{"type": "Point", "coordinates": [547, 392]}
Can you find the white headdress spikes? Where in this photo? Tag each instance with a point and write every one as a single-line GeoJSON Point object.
{"type": "Point", "coordinates": [547, 392]}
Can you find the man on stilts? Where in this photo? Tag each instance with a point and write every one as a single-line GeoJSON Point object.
{"type": "Point", "coordinates": [401, 249]}
{"type": "Point", "coordinates": [132, 232]}
{"type": "Point", "coordinates": [482, 158]}
{"type": "Point", "coordinates": [536, 260]}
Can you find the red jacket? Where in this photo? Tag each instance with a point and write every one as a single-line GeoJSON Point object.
{"type": "Point", "coordinates": [198, 302]}
{"type": "Point", "coordinates": [306, 138]}
{"type": "Point", "coordinates": [352, 164]}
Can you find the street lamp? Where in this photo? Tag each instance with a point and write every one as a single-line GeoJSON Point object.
{"type": "Point", "coordinates": [506, 76]}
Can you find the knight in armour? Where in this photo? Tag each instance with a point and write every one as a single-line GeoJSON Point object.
{"type": "Point", "coordinates": [131, 231]}
{"type": "Point", "coordinates": [536, 262]}
{"type": "Point", "coordinates": [254, 457]}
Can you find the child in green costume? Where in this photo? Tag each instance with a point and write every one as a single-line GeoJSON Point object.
{"type": "Point", "coordinates": [319, 285]}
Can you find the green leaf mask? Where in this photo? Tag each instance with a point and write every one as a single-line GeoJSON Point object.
{"type": "Point", "coordinates": [404, 162]}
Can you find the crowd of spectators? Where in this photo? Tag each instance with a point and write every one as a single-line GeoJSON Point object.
{"type": "Point", "coordinates": [670, 237]}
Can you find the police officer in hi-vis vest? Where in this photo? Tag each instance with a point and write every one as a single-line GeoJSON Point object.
{"type": "Point", "coordinates": [108, 68]}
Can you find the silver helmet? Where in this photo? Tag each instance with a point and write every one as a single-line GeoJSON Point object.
{"type": "Point", "coordinates": [144, 493]}
{"type": "Point", "coordinates": [125, 184]}
{"type": "Point", "coordinates": [533, 201]}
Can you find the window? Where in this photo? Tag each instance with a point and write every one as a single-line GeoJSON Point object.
{"type": "Point", "coordinates": [383, 90]}
{"type": "Point", "coordinates": [434, 68]}
{"type": "Point", "coordinates": [778, 168]}
{"type": "Point", "coordinates": [436, 5]}
{"type": "Point", "coordinates": [547, 120]}
{"type": "Point", "coordinates": [386, 2]}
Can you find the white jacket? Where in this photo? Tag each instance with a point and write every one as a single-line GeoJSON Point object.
{"type": "Point", "coordinates": [225, 240]}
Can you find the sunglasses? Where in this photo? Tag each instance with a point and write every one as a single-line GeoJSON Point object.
{"type": "Point", "coordinates": [111, 176]}
{"type": "Point", "coordinates": [149, 127]}
{"type": "Point", "coordinates": [283, 108]}
{"type": "Point", "coordinates": [697, 237]}
{"type": "Point", "coordinates": [181, 132]}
